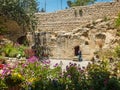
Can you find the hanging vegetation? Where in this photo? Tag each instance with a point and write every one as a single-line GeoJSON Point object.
{"type": "Point", "coordinates": [72, 3]}
{"type": "Point", "coordinates": [21, 11]}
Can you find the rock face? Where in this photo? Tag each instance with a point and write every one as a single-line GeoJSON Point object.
{"type": "Point", "coordinates": [74, 17]}
{"type": "Point", "coordinates": [91, 37]}
{"type": "Point", "coordinates": [12, 30]}
{"type": "Point", "coordinates": [92, 31]}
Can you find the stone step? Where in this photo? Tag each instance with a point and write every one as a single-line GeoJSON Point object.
{"type": "Point", "coordinates": [75, 58]}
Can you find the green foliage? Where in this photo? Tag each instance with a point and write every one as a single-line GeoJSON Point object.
{"type": "Point", "coordinates": [3, 30]}
{"type": "Point", "coordinates": [72, 3]}
{"type": "Point", "coordinates": [113, 84]}
{"type": "Point", "coordinates": [75, 12]}
{"type": "Point", "coordinates": [9, 50]}
{"type": "Point", "coordinates": [12, 51]}
{"type": "Point", "coordinates": [93, 22]}
{"type": "Point", "coordinates": [2, 84]}
{"type": "Point", "coordinates": [104, 76]}
{"type": "Point", "coordinates": [117, 22]}
{"type": "Point", "coordinates": [42, 10]}
{"type": "Point", "coordinates": [80, 12]}
{"type": "Point", "coordinates": [21, 50]}
{"type": "Point", "coordinates": [51, 82]}
{"type": "Point", "coordinates": [19, 10]}
{"type": "Point", "coordinates": [105, 53]}
{"type": "Point", "coordinates": [13, 79]}
{"type": "Point", "coordinates": [75, 78]}
{"type": "Point", "coordinates": [105, 18]}
{"type": "Point", "coordinates": [1, 57]}
{"type": "Point", "coordinates": [117, 51]}
{"type": "Point", "coordinates": [69, 3]}
{"type": "Point", "coordinates": [111, 54]}
{"type": "Point", "coordinates": [39, 76]}
{"type": "Point", "coordinates": [118, 33]}
{"type": "Point", "coordinates": [98, 74]}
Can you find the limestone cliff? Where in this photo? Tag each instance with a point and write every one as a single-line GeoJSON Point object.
{"type": "Point", "coordinates": [91, 37]}
{"type": "Point", "coordinates": [92, 30]}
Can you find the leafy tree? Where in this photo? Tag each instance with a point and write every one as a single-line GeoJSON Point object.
{"type": "Point", "coordinates": [21, 11]}
{"type": "Point", "coordinates": [72, 3]}
{"type": "Point", "coordinates": [69, 3]}
{"type": "Point", "coordinates": [42, 10]}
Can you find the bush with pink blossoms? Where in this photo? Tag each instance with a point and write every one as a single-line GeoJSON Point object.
{"type": "Point", "coordinates": [36, 75]}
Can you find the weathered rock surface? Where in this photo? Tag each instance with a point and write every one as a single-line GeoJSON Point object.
{"type": "Point", "coordinates": [12, 30]}
{"type": "Point", "coordinates": [92, 31]}
{"type": "Point", "coordinates": [91, 37]}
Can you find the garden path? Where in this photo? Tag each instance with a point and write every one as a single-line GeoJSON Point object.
{"type": "Point", "coordinates": [64, 63]}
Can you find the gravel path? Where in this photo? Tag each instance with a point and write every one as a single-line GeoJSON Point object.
{"type": "Point", "coordinates": [64, 63]}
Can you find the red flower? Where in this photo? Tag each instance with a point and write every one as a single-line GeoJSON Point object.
{"type": "Point", "coordinates": [1, 66]}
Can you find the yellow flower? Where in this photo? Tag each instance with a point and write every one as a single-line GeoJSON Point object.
{"type": "Point", "coordinates": [31, 80]}
{"type": "Point", "coordinates": [17, 75]}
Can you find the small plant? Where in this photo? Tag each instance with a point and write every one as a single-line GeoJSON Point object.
{"type": "Point", "coordinates": [2, 84]}
{"type": "Point", "coordinates": [81, 12]}
{"type": "Point", "coordinates": [75, 13]}
{"type": "Point", "coordinates": [3, 30]}
{"type": "Point", "coordinates": [112, 84]}
{"type": "Point", "coordinates": [93, 22]}
{"type": "Point", "coordinates": [117, 51]}
{"type": "Point", "coordinates": [14, 79]}
{"type": "Point", "coordinates": [118, 33]}
{"type": "Point", "coordinates": [105, 18]}
{"type": "Point", "coordinates": [10, 50]}
{"type": "Point", "coordinates": [35, 75]}
{"type": "Point", "coordinates": [117, 22]}
{"type": "Point", "coordinates": [98, 75]}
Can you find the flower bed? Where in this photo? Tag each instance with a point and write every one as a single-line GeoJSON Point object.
{"type": "Point", "coordinates": [36, 75]}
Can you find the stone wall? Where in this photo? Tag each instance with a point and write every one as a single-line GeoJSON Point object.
{"type": "Point", "coordinates": [72, 18]}
{"type": "Point", "coordinates": [70, 27]}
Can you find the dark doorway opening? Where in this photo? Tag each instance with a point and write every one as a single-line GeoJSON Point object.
{"type": "Point", "coordinates": [76, 49]}
{"type": "Point", "coordinates": [22, 40]}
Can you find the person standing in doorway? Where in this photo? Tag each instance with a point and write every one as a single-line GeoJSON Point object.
{"type": "Point", "coordinates": [79, 55]}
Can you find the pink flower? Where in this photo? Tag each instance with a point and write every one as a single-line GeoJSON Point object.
{"type": "Point", "coordinates": [32, 59]}
{"type": "Point", "coordinates": [6, 72]}
{"type": "Point", "coordinates": [24, 65]}
{"type": "Point", "coordinates": [67, 67]}
{"type": "Point", "coordinates": [69, 76]}
{"type": "Point", "coordinates": [55, 65]}
{"type": "Point", "coordinates": [46, 62]}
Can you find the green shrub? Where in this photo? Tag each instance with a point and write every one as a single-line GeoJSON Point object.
{"type": "Point", "coordinates": [113, 84]}
{"type": "Point", "coordinates": [10, 50]}
{"type": "Point", "coordinates": [39, 76]}
{"type": "Point", "coordinates": [13, 51]}
{"type": "Point", "coordinates": [2, 84]}
{"type": "Point", "coordinates": [117, 22]}
{"type": "Point", "coordinates": [117, 52]}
